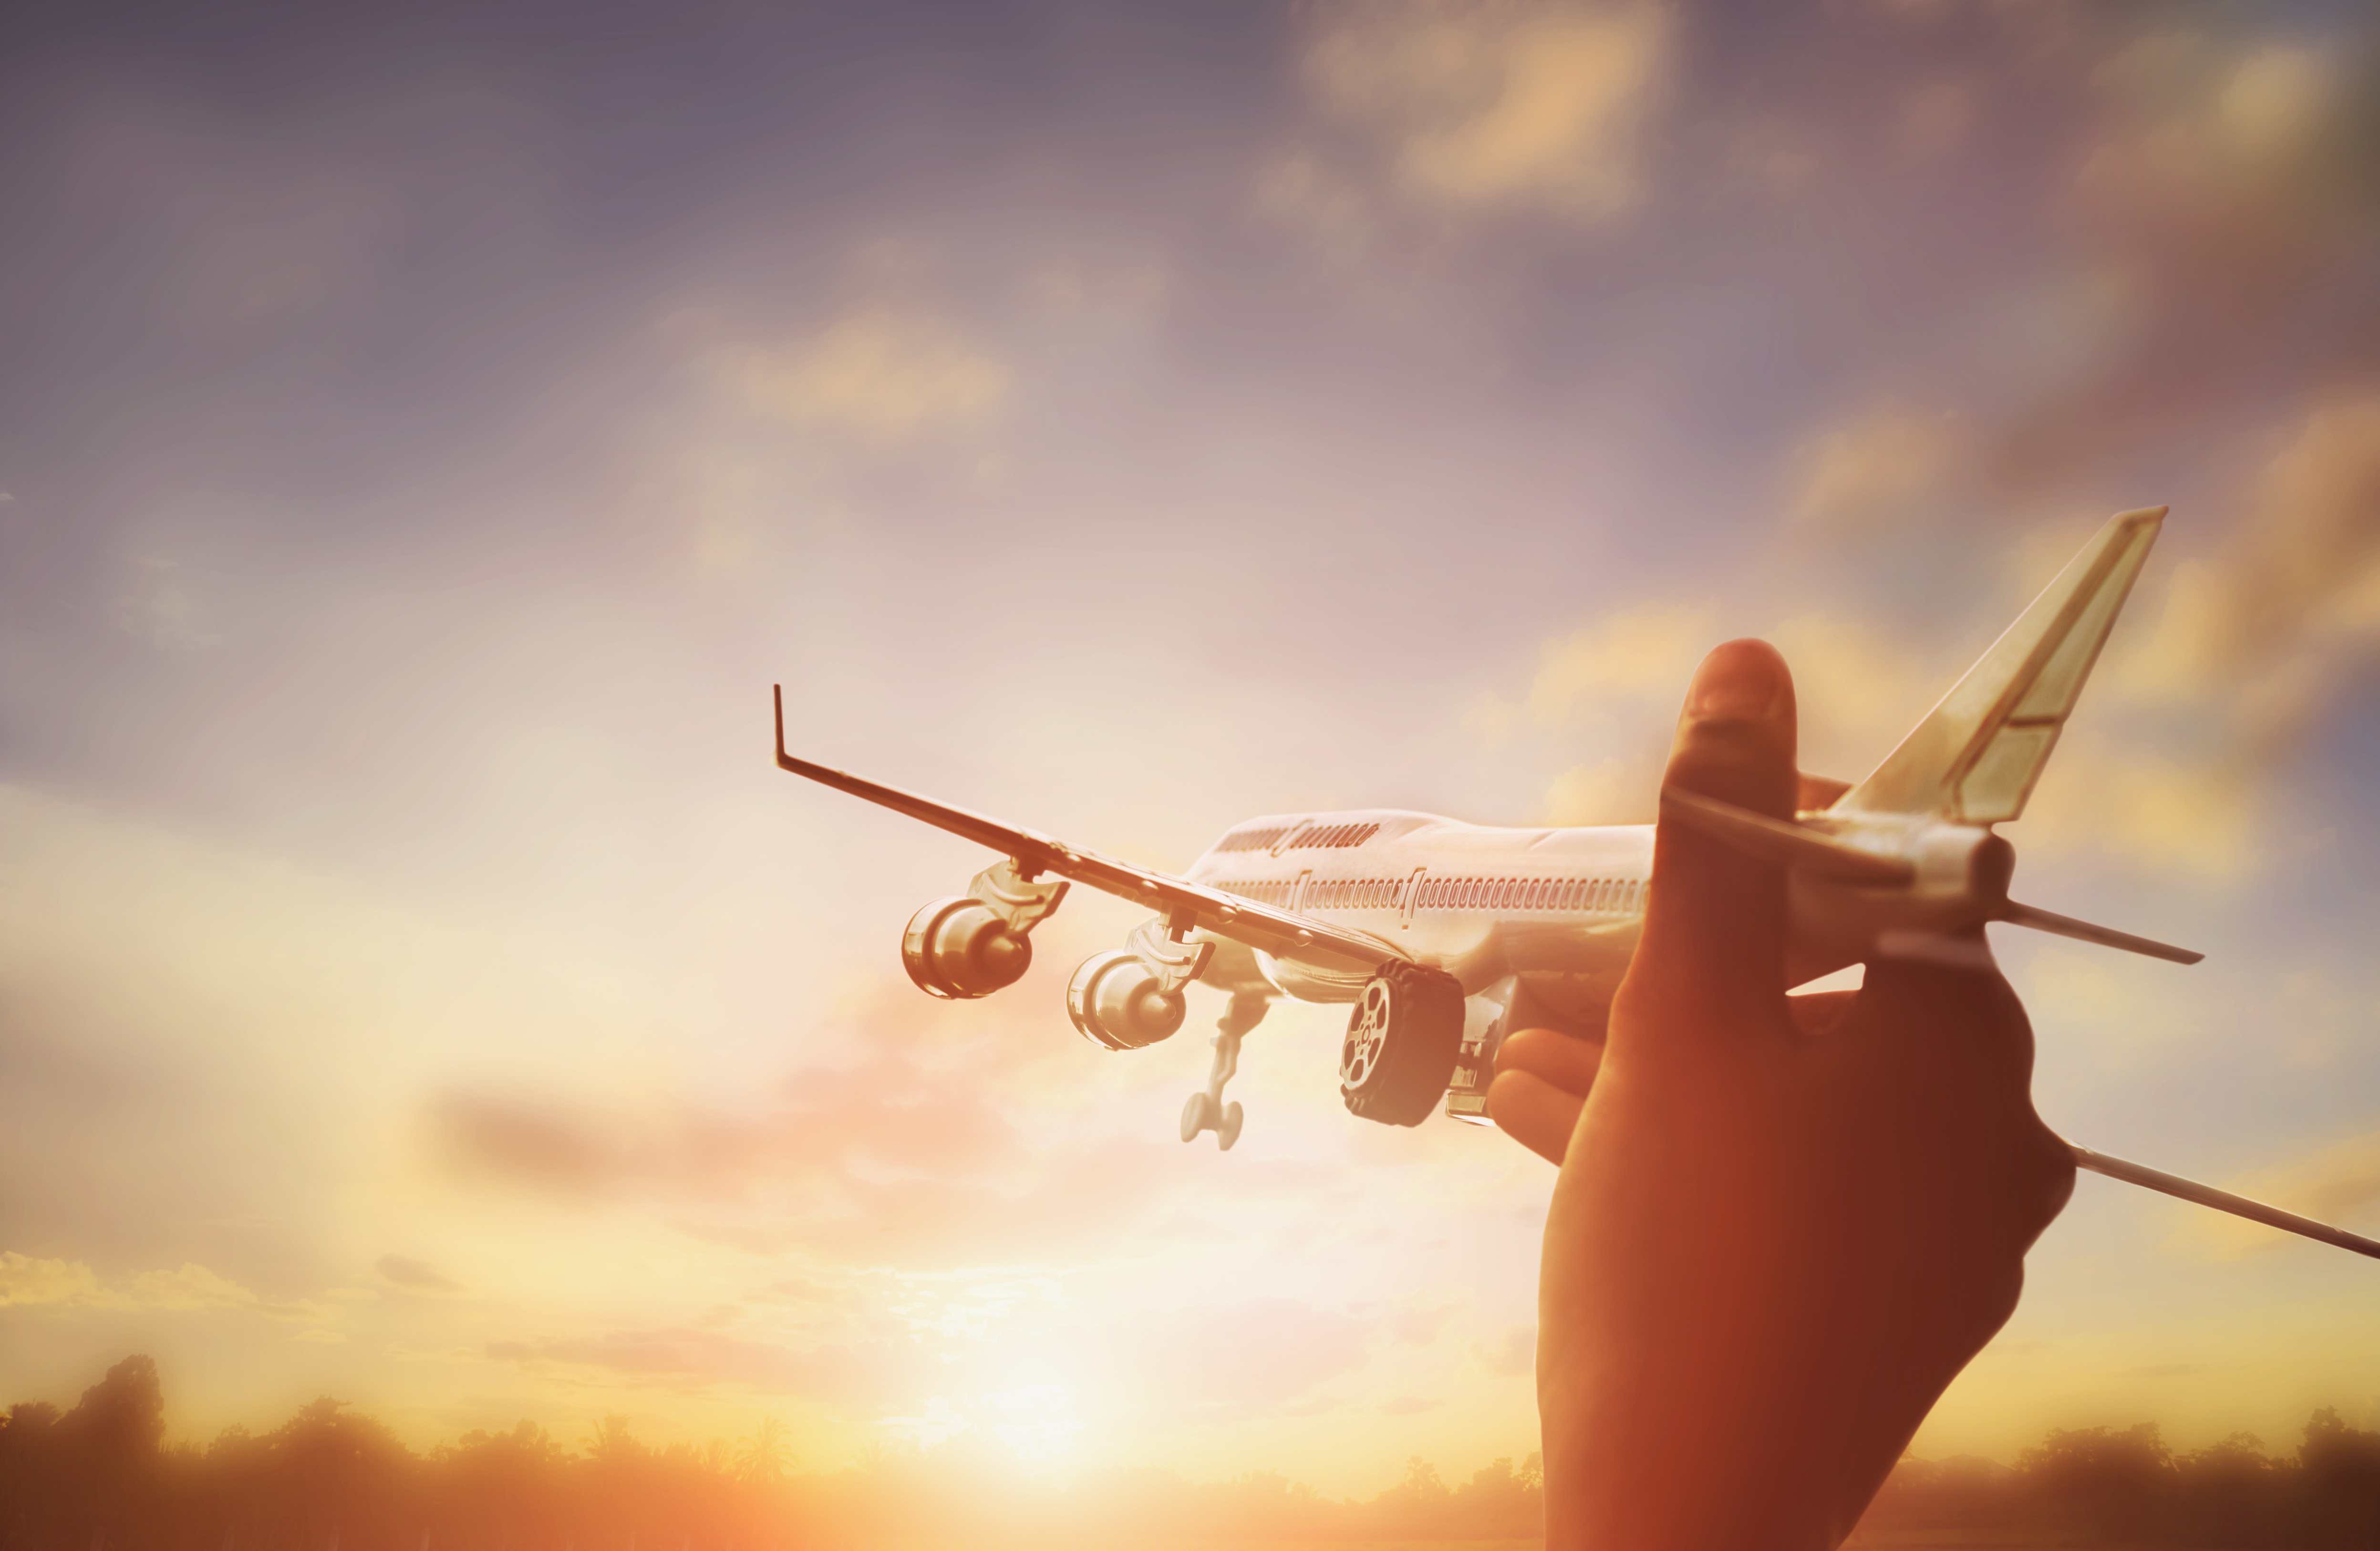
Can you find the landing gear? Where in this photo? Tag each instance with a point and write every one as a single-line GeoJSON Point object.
{"type": "Point", "coordinates": [1198, 1113]}
{"type": "Point", "coordinates": [1402, 1041]}
{"type": "Point", "coordinates": [1205, 1110]}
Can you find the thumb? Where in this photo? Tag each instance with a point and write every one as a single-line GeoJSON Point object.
{"type": "Point", "coordinates": [1714, 938]}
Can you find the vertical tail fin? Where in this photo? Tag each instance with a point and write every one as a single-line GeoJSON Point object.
{"type": "Point", "coordinates": [1978, 754]}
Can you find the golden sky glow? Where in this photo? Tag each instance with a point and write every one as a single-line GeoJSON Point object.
{"type": "Point", "coordinates": [424, 443]}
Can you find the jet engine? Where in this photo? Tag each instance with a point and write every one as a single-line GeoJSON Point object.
{"type": "Point", "coordinates": [959, 949]}
{"type": "Point", "coordinates": [1116, 1001]}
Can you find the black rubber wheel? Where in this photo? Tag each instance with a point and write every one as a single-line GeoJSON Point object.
{"type": "Point", "coordinates": [1401, 1042]}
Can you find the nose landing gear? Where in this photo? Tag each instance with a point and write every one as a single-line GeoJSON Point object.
{"type": "Point", "coordinates": [1205, 1110]}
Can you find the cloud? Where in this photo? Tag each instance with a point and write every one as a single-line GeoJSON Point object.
{"type": "Point", "coordinates": [1199, 1364]}
{"type": "Point", "coordinates": [1937, 118]}
{"type": "Point", "coordinates": [925, 1099]}
{"type": "Point", "coordinates": [2168, 816]}
{"type": "Point", "coordinates": [1625, 676]}
{"type": "Point", "coordinates": [1511, 1354]}
{"type": "Point", "coordinates": [2273, 103]}
{"type": "Point", "coordinates": [1639, 656]}
{"type": "Point", "coordinates": [1537, 106]}
{"type": "Point", "coordinates": [416, 1275]}
{"type": "Point", "coordinates": [679, 1357]}
{"type": "Point", "coordinates": [1858, 689]}
{"type": "Point", "coordinates": [2256, 641]}
{"type": "Point", "coordinates": [1880, 468]}
{"type": "Point", "coordinates": [1325, 204]}
{"type": "Point", "coordinates": [26, 1281]}
{"type": "Point", "coordinates": [2227, 199]}
{"type": "Point", "coordinates": [2229, 157]}
{"type": "Point", "coordinates": [877, 376]}
{"type": "Point", "coordinates": [888, 1112]}
{"type": "Point", "coordinates": [1224, 1362]}
{"type": "Point", "coordinates": [158, 608]}
{"type": "Point", "coordinates": [2113, 789]}
{"type": "Point", "coordinates": [911, 1156]}
{"type": "Point", "coordinates": [2260, 639]}
{"type": "Point", "coordinates": [1419, 1324]}
{"type": "Point", "coordinates": [2296, 593]}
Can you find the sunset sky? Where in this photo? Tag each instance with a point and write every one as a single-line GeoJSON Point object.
{"type": "Point", "coordinates": [426, 431]}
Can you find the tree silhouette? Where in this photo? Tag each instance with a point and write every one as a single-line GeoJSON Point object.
{"type": "Point", "coordinates": [2107, 1484]}
{"type": "Point", "coordinates": [766, 1456]}
{"type": "Point", "coordinates": [2342, 1482]}
{"type": "Point", "coordinates": [98, 1478]}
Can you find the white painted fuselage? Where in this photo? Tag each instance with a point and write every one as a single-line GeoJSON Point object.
{"type": "Point", "coordinates": [1558, 907]}
{"type": "Point", "coordinates": [1561, 909]}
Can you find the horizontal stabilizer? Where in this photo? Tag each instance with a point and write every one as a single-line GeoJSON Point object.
{"type": "Point", "coordinates": [2084, 931]}
{"type": "Point", "coordinates": [2222, 1201]}
{"type": "Point", "coordinates": [1787, 846]}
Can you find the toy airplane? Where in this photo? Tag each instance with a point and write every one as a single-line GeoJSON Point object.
{"type": "Point", "coordinates": [1444, 935]}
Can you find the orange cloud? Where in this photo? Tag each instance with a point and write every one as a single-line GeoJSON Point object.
{"type": "Point", "coordinates": [878, 375]}
{"type": "Point", "coordinates": [1536, 105]}
{"type": "Point", "coordinates": [1883, 466]}
{"type": "Point", "coordinates": [874, 1375]}
{"type": "Point", "coordinates": [26, 1281]}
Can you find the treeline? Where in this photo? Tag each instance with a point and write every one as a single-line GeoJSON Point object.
{"type": "Point", "coordinates": [101, 1478]}
{"type": "Point", "coordinates": [2098, 1486]}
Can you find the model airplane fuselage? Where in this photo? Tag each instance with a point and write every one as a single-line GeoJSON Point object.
{"type": "Point", "coordinates": [1552, 914]}
{"type": "Point", "coordinates": [1444, 934]}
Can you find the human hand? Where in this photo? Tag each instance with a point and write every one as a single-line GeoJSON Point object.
{"type": "Point", "coordinates": [1782, 1225]}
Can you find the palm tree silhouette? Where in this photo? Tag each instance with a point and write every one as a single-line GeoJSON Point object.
{"type": "Point", "coordinates": [765, 1456]}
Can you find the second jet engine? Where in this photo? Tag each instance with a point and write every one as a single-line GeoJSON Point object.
{"type": "Point", "coordinates": [1116, 1001]}
{"type": "Point", "coordinates": [959, 949]}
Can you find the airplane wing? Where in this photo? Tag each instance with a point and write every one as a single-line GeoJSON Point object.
{"type": "Point", "coordinates": [1182, 904]}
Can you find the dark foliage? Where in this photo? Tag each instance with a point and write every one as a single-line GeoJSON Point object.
{"type": "Point", "coordinates": [100, 1478]}
{"type": "Point", "coordinates": [2095, 1486]}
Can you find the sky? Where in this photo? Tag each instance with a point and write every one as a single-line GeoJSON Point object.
{"type": "Point", "coordinates": [428, 432]}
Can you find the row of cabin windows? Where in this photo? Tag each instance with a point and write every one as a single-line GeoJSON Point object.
{"type": "Point", "coordinates": [1331, 836]}
{"type": "Point", "coordinates": [1335, 835]}
{"type": "Point", "coordinates": [1271, 893]}
{"type": "Point", "coordinates": [1595, 896]}
{"type": "Point", "coordinates": [1353, 893]}
{"type": "Point", "coordinates": [1252, 840]}
{"type": "Point", "coordinates": [1592, 896]}
{"type": "Point", "coordinates": [1325, 893]}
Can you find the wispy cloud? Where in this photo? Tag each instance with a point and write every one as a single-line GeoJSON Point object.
{"type": "Point", "coordinates": [415, 1275]}
{"type": "Point", "coordinates": [26, 1281]}
{"type": "Point", "coordinates": [2340, 1184]}
{"type": "Point", "coordinates": [879, 376]}
{"type": "Point", "coordinates": [1537, 106]}
{"type": "Point", "coordinates": [1881, 469]}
